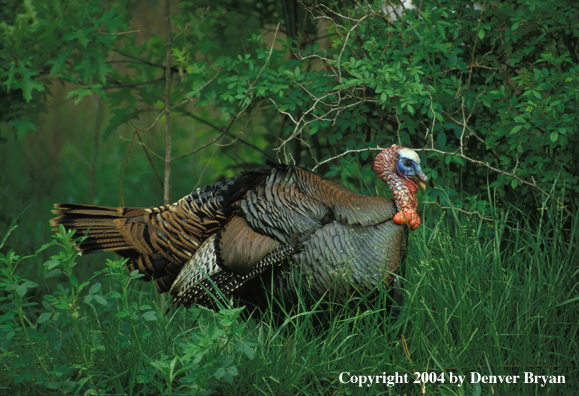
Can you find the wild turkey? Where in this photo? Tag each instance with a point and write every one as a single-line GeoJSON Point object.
{"type": "Point", "coordinates": [278, 228]}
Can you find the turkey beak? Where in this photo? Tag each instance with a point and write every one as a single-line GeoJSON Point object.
{"type": "Point", "coordinates": [420, 179]}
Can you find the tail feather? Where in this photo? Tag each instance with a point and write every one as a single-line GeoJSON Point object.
{"type": "Point", "coordinates": [158, 240]}
{"type": "Point", "coordinates": [126, 231]}
{"type": "Point", "coordinates": [98, 223]}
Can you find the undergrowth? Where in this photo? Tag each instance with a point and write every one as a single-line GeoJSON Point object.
{"type": "Point", "coordinates": [497, 300]}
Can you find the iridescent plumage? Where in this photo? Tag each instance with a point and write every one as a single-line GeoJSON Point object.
{"type": "Point", "coordinates": [278, 228]}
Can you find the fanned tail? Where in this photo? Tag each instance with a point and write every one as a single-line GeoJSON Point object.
{"type": "Point", "coordinates": [102, 224]}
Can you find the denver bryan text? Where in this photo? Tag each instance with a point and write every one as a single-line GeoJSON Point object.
{"type": "Point", "coordinates": [528, 378]}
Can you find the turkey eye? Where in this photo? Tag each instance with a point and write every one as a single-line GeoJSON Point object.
{"type": "Point", "coordinates": [407, 163]}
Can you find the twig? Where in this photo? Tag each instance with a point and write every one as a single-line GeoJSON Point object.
{"type": "Point", "coordinates": [202, 16]}
{"type": "Point", "coordinates": [139, 59]}
{"type": "Point", "coordinates": [143, 145]}
{"type": "Point", "coordinates": [109, 34]}
{"type": "Point", "coordinates": [239, 108]}
{"type": "Point", "coordinates": [472, 63]}
{"type": "Point", "coordinates": [131, 85]}
{"type": "Point", "coordinates": [344, 47]}
{"type": "Point", "coordinates": [150, 126]}
{"type": "Point", "coordinates": [79, 155]}
{"type": "Point", "coordinates": [343, 154]}
{"type": "Point", "coordinates": [460, 210]}
{"type": "Point", "coordinates": [208, 123]}
{"type": "Point", "coordinates": [146, 150]}
{"type": "Point", "coordinates": [205, 169]}
{"type": "Point", "coordinates": [407, 353]}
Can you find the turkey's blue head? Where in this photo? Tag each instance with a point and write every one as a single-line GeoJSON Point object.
{"type": "Point", "coordinates": [408, 166]}
{"type": "Point", "coordinates": [400, 168]}
{"type": "Point", "coordinates": [397, 165]}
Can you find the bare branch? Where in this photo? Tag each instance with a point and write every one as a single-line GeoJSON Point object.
{"type": "Point", "coordinates": [146, 150]}
{"type": "Point", "coordinates": [151, 126]}
{"type": "Point", "coordinates": [79, 155]}
{"type": "Point", "coordinates": [132, 85]}
{"type": "Point", "coordinates": [460, 210]}
{"type": "Point", "coordinates": [344, 47]}
{"type": "Point", "coordinates": [144, 146]}
{"type": "Point", "coordinates": [205, 169]}
{"type": "Point", "coordinates": [139, 60]}
{"type": "Point", "coordinates": [221, 130]}
{"type": "Point", "coordinates": [343, 154]}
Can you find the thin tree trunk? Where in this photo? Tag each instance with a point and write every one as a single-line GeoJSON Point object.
{"type": "Point", "coordinates": [93, 166]}
{"type": "Point", "coordinates": [167, 186]}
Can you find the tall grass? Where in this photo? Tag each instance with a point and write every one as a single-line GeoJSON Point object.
{"type": "Point", "coordinates": [495, 298]}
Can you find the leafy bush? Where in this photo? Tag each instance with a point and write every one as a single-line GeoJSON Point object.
{"type": "Point", "coordinates": [86, 336]}
{"type": "Point", "coordinates": [489, 91]}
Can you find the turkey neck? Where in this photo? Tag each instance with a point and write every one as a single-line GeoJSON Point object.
{"type": "Point", "coordinates": [404, 190]}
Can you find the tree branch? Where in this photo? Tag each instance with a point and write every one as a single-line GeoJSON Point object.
{"type": "Point", "coordinates": [208, 123]}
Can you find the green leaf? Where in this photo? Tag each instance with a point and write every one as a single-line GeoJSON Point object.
{"type": "Point", "coordinates": [73, 280]}
{"type": "Point", "coordinates": [59, 64]}
{"type": "Point", "coordinates": [25, 82]}
{"type": "Point", "coordinates": [458, 160]}
{"type": "Point", "coordinates": [44, 317]}
{"type": "Point", "coordinates": [516, 129]}
{"type": "Point", "coordinates": [94, 288]}
{"type": "Point", "coordinates": [51, 264]}
{"type": "Point", "coordinates": [100, 299]}
{"type": "Point", "coordinates": [30, 284]}
{"type": "Point", "coordinates": [21, 290]}
{"type": "Point", "coordinates": [554, 136]}
{"type": "Point", "coordinates": [82, 92]}
{"type": "Point", "coordinates": [54, 385]}
{"type": "Point", "coordinates": [22, 126]}
{"type": "Point", "coordinates": [481, 33]}
{"type": "Point", "coordinates": [150, 316]}
{"type": "Point", "coordinates": [441, 139]}
{"type": "Point", "coordinates": [53, 273]}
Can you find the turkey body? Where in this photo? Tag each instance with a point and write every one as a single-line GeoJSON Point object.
{"type": "Point", "coordinates": [274, 230]}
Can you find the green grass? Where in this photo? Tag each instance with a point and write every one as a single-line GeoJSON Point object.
{"type": "Point", "coordinates": [495, 298]}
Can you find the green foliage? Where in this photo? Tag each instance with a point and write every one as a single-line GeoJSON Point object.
{"type": "Point", "coordinates": [498, 85]}
{"type": "Point", "coordinates": [493, 299]}
{"type": "Point", "coordinates": [86, 336]}
{"type": "Point", "coordinates": [68, 42]}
